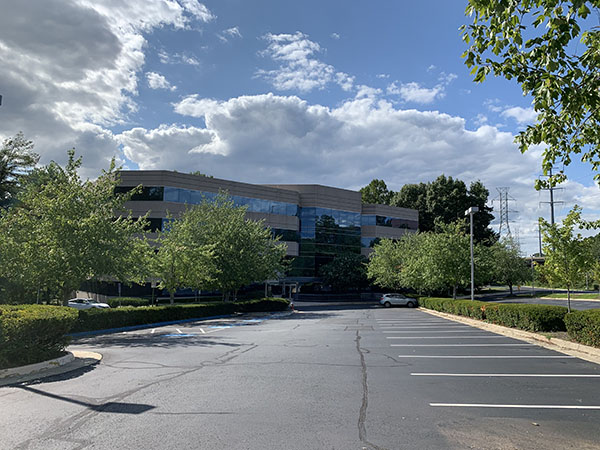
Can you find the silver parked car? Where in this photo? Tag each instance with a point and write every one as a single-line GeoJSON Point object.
{"type": "Point", "coordinates": [86, 303]}
{"type": "Point", "coordinates": [398, 299]}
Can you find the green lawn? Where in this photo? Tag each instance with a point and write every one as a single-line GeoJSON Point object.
{"type": "Point", "coordinates": [587, 296]}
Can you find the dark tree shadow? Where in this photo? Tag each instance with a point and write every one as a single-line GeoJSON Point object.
{"type": "Point", "coordinates": [111, 407]}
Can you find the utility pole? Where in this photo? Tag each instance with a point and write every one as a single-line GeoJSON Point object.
{"type": "Point", "coordinates": [552, 202]}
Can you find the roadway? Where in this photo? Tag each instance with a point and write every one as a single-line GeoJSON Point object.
{"type": "Point", "coordinates": [334, 377]}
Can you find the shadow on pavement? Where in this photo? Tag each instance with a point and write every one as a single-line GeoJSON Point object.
{"type": "Point", "coordinates": [159, 340]}
{"type": "Point", "coordinates": [112, 407]}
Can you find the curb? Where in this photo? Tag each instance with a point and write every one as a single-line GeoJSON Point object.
{"type": "Point", "coordinates": [581, 351]}
{"type": "Point", "coordinates": [71, 361]}
{"type": "Point", "coordinates": [37, 367]}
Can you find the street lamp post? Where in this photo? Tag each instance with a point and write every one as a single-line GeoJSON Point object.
{"type": "Point", "coordinates": [469, 212]}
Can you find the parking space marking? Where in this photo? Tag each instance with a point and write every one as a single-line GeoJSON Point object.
{"type": "Point", "coordinates": [488, 356]}
{"type": "Point", "coordinates": [461, 345]}
{"type": "Point", "coordinates": [428, 328]}
{"type": "Point", "coordinates": [507, 375]}
{"type": "Point", "coordinates": [492, 405]}
{"type": "Point", "coordinates": [429, 331]}
{"type": "Point", "coordinates": [479, 336]}
{"type": "Point", "coordinates": [447, 337]}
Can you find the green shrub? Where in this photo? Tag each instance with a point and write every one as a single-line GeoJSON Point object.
{"type": "Point", "coordinates": [516, 315]}
{"type": "Point", "coordinates": [127, 301]}
{"type": "Point", "coordinates": [101, 319]}
{"type": "Point", "coordinates": [526, 316]}
{"type": "Point", "coordinates": [584, 326]}
{"type": "Point", "coordinates": [262, 305]}
{"type": "Point", "coordinates": [33, 333]}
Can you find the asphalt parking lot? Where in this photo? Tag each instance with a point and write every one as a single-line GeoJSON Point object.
{"type": "Point", "coordinates": [328, 376]}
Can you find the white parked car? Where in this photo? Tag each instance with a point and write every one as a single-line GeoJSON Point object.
{"type": "Point", "coordinates": [398, 299]}
{"type": "Point", "coordinates": [86, 303]}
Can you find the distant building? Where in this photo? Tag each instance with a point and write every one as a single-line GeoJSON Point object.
{"type": "Point", "coordinates": [315, 222]}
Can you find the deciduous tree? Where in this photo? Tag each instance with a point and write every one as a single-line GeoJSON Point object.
{"type": "Point", "coordinates": [552, 49]}
{"type": "Point", "coordinates": [67, 230]}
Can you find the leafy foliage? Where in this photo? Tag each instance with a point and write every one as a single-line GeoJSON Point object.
{"type": "Point", "coordinates": [584, 326]}
{"type": "Point", "coordinates": [541, 44]}
{"type": "Point", "coordinates": [444, 201]}
{"type": "Point", "coordinates": [16, 160]}
{"type": "Point", "coordinates": [508, 266]}
{"type": "Point", "coordinates": [567, 256]}
{"type": "Point", "coordinates": [424, 261]}
{"type": "Point", "coordinates": [376, 192]}
{"type": "Point", "coordinates": [103, 319]}
{"type": "Point", "coordinates": [220, 248]}
{"type": "Point", "coordinates": [346, 272]}
{"type": "Point", "coordinates": [33, 333]}
{"type": "Point", "coordinates": [64, 232]}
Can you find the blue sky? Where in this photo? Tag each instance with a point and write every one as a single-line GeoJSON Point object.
{"type": "Point", "coordinates": [269, 91]}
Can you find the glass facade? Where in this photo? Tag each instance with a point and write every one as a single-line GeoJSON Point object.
{"type": "Point", "coordinates": [179, 195]}
{"type": "Point", "coordinates": [325, 233]}
{"type": "Point", "coordinates": [393, 222]}
{"type": "Point", "coordinates": [193, 197]}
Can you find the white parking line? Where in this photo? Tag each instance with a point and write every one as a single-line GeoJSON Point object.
{"type": "Point", "coordinates": [430, 328]}
{"type": "Point", "coordinates": [178, 330]}
{"type": "Point", "coordinates": [474, 330]}
{"type": "Point", "coordinates": [491, 405]}
{"type": "Point", "coordinates": [153, 330]}
{"type": "Point", "coordinates": [515, 375]}
{"type": "Point", "coordinates": [202, 331]}
{"type": "Point", "coordinates": [479, 336]}
{"type": "Point", "coordinates": [461, 345]}
{"type": "Point", "coordinates": [486, 356]}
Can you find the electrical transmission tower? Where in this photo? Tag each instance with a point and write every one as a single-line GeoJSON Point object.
{"type": "Point", "coordinates": [503, 199]}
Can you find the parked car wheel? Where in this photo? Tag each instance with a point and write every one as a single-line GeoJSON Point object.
{"type": "Point", "coordinates": [387, 304]}
{"type": "Point", "coordinates": [410, 304]}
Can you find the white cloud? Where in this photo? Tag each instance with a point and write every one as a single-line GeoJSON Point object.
{"type": "Point", "coordinates": [299, 68]}
{"type": "Point", "coordinates": [284, 139]}
{"type": "Point", "coordinates": [177, 58]}
{"type": "Point", "coordinates": [335, 36]}
{"type": "Point", "coordinates": [157, 81]}
{"type": "Point", "coordinates": [75, 71]}
{"type": "Point", "coordinates": [229, 33]}
{"type": "Point", "coordinates": [416, 93]}
{"type": "Point", "coordinates": [521, 115]}
{"type": "Point", "coordinates": [382, 75]}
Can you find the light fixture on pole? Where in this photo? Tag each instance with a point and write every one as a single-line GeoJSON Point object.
{"type": "Point", "coordinates": [469, 212]}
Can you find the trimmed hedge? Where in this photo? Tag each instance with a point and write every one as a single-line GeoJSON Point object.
{"type": "Point", "coordinates": [584, 326]}
{"type": "Point", "coordinates": [33, 333]}
{"type": "Point", "coordinates": [115, 302]}
{"type": "Point", "coordinates": [527, 316]}
{"type": "Point", "coordinates": [517, 315]}
{"type": "Point", "coordinates": [101, 319]}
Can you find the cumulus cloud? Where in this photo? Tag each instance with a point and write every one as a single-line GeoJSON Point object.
{"type": "Point", "coordinates": [284, 139]}
{"type": "Point", "coordinates": [417, 93]}
{"type": "Point", "coordinates": [335, 36]}
{"type": "Point", "coordinates": [75, 73]}
{"type": "Point", "coordinates": [299, 68]}
{"type": "Point", "coordinates": [157, 81]}
{"type": "Point", "coordinates": [521, 115]}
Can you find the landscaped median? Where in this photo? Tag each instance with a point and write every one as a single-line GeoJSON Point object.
{"type": "Point", "coordinates": [34, 333]}
{"type": "Point", "coordinates": [581, 326]}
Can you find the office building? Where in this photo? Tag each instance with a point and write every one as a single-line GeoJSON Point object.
{"type": "Point", "coordinates": [316, 222]}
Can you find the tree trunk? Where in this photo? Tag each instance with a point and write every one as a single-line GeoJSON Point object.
{"type": "Point", "coordinates": [66, 296]}
{"type": "Point", "coordinates": [510, 286]}
{"type": "Point", "coordinates": [454, 292]}
{"type": "Point", "coordinates": [568, 299]}
{"type": "Point", "coordinates": [172, 297]}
